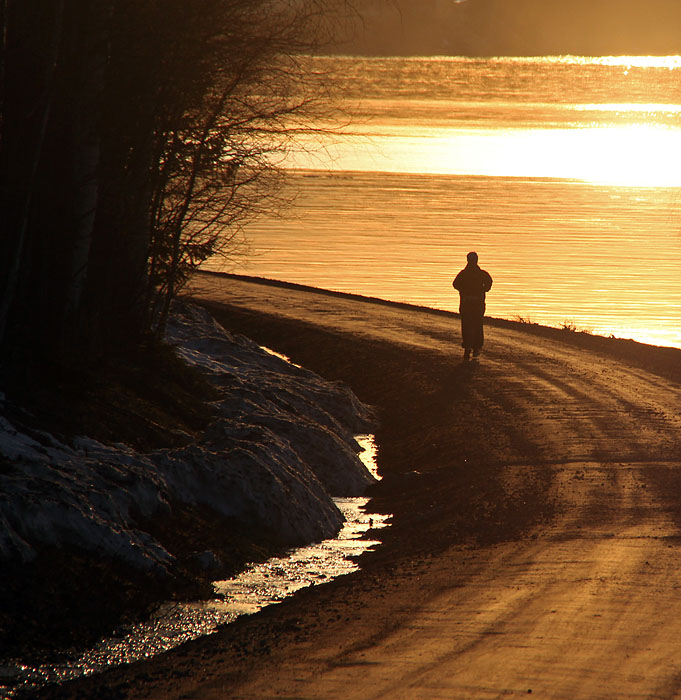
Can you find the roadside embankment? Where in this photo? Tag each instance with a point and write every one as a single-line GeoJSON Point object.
{"type": "Point", "coordinates": [81, 518]}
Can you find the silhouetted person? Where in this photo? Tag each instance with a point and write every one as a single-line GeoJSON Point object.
{"type": "Point", "coordinates": [472, 283]}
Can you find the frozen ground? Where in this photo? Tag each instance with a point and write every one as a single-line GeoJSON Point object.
{"type": "Point", "coordinates": [280, 446]}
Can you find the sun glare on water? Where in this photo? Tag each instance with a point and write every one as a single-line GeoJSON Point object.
{"type": "Point", "coordinates": [637, 156]}
{"type": "Point", "coordinates": [669, 62]}
{"type": "Point", "coordinates": [629, 155]}
{"type": "Point", "coordinates": [632, 144]}
{"type": "Point", "coordinates": [632, 156]}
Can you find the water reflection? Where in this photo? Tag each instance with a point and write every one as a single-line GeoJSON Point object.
{"type": "Point", "coordinates": [605, 257]}
{"type": "Point", "coordinates": [451, 154]}
{"type": "Point", "coordinates": [278, 578]}
{"type": "Point", "coordinates": [628, 155]}
{"type": "Point", "coordinates": [605, 120]}
{"type": "Point", "coordinates": [257, 587]}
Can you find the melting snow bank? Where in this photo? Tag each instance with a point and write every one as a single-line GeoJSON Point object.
{"type": "Point", "coordinates": [173, 624]}
{"type": "Point", "coordinates": [280, 446]}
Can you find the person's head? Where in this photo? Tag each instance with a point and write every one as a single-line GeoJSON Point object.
{"type": "Point", "coordinates": [472, 258]}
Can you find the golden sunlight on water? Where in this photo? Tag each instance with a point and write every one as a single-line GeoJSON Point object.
{"type": "Point", "coordinates": [613, 120]}
{"type": "Point", "coordinates": [635, 155]}
{"type": "Point", "coordinates": [669, 62]}
{"type": "Point", "coordinates": [603, 258]}
{"type": "Point", "coordinates": [563, 172]}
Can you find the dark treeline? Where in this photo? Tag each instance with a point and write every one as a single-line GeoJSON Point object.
{"type": "Point", "coordinates": [136, 136]}
{"type": "Point", "coordinates": [520, 27]}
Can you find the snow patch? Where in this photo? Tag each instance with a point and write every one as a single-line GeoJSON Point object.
{"type": "Point", "coordinates": [280, 446]}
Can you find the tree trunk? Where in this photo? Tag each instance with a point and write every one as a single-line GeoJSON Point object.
{"type": "Point", "coordinates": [22, 207]}
{"type": "Point", "coordinates": [86, 154]}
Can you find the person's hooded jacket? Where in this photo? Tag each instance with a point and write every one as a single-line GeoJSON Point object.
{"type": "Point", "coordinates": [472, 283]}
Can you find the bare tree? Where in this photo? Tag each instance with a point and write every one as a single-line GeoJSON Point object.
{"type": "Point", "coordinates": [136, 138]}
{"type": "Point", "coordinates": [219, 165]}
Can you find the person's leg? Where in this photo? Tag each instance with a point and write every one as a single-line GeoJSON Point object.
{"type": "Point", "coordinates": [480, 340]}
{"type": "Point", "coordinates": [467, 328]}
{"type": "Point", "coordinates": [475, 335]}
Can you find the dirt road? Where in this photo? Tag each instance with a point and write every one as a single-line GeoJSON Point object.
{"type": "Point", "coordinates": [537, 511]}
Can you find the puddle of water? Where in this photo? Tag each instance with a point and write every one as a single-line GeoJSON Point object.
{"type": "Point", "coordinates": [280, 355]}
{"type": "Point", "coordinates": [255, 588]}
{"type": "Point", "coordinates": [368, 454]}
{"type": "Point", "coordinates": [278, 578]}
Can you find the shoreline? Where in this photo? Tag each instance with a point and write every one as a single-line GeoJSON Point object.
{"type": "Point", "coordinates": [656, 358]}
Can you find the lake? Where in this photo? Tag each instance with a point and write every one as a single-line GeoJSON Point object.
{"type": "Point", "coordinates": [563, 173]}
